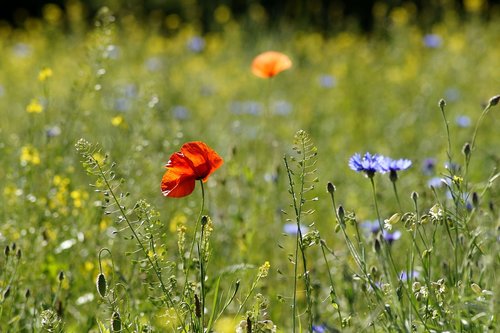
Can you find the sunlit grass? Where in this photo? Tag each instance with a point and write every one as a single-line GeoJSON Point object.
{"type": "Point", "coordinates": [141, 94]}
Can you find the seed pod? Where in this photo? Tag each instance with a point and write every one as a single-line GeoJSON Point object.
{"type": "Point", "coordinates": [476, 288]}
{"type": "Point", "coordinates": [6, 293]}
{"type": "Point", "coordinates": [60, 277]}
{"type": "Point", "coordinates": [27, 294]}
{"type": "Point", "coordinates": [6, 251]}
{"type": "Point", "coordinates": [102, 285]}
{"type": "Point", "coordinates": [116, 322]}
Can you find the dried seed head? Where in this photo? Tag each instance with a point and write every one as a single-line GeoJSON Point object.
{"type": "Point", "coordinates": [60, 277]}
{"type": "Point", "coordinates": [102, 285]}
{"type": "Point", "coordinates": [18, 254]}
{"type": "Point", "coordinates": [6, 251]}
{"type": "Point", "coordinates": [116, 322]}
{"type": "Point", "coordinates": [27, 294]}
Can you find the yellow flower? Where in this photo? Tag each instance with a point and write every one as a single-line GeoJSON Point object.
{"type": "Point", "coordinates": [34, 107]}
{"type": "Point", "coordinates": [264, 269]}
{"type": "Point", "coordinates": [117, 121]}
{"type": "Point", "coordinates": [29, 155]}
{"type": "Point", "coordinates": [44, 74]}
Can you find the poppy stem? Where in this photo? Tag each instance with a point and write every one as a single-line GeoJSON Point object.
{"type": "Point", "coordinates": [188, 263]}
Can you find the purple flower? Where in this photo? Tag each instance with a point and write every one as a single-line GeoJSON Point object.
{"type": "Point", "coordinates": [196, 44]}
{"type": "Point", "coordinates": [327, 81]}
{"type": "Point", "coordinates": [369, 164]}
{"type": "Point", "coordinates": [463, 121]}
{"type": "Point", "coordinates": [432, 41]}
{"type": "Point", "coordinates": [435, 182]}
{"type": "Point", "coordinates": [429, 166]}
{"type": "Point", "coordinates": [390, 237]}
{"type": "Point", "coordinates": [320, 328]}
{"type": "Point", "coordinates": [393, 166]}
{"type": "Point", "coordinates": [371, 226]}
{"type": "Point", "coordinates": [396, 165]}
{"type": "Point", "coordinates": [291, 228]}
{"type": "Point", "coordinates": [403, 276]}
{"type": "Point", "coordinates": [180, 112]}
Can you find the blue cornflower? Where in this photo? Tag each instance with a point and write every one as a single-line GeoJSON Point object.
{"type": "Point", "coordinates": [432, 41]}
{"type": "Point", "coordinates": [196, 44]}
{"type": "Point", "coordinates": [393, 166]}
{"type": "Point", "coordinates": [435, 182]}
{"type": "Point", "coordinates": [369, 164]}
{"type": "Point", "coordinates": [327, 81]}
{"type": "Point", "coordinates": [429, 166]}
{"type": "Point", "coordinates": [320, 328]}
{"type": "Point", "coordinates": [291, 228]}
{"type": "Point", "coordinates": [371, 226]}
{"type": "Point", "coordinates": [463, 121]}
{"type": "Point", "coordinates": [391, 236]}
{"type": "Point", "coordinates": [403, 276]}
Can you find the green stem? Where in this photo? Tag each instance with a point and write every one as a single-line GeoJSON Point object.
{"type": "Point", "coordinates": [394, 187]}
{"type": "Point", "coordinates": [441, 107]}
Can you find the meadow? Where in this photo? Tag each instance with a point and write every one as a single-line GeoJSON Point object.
{"type": "Point", "coordinates": [293, 232]}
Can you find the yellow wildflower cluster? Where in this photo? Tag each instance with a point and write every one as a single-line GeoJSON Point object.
{"type": "Point", "coordinates": [79, 197]}
{"type": "Point", "coordinates": [264, 269]}
{"type": "Point", "coordinates": [29, 155]}
{"type": "Point", "coordinates": [59, 194]}
{"type": "Point", "coordinates": [34, 106]}
{"type": "Point", "coordinates": [44, 74]}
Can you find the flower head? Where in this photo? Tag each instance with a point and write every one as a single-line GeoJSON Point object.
{"type": "Point", "coordinates": [195, 161]}
{"type": "Point", "coordinates": [34, 106]}
{"type": "Point", "coordinates": [393, 166]}
{"type": "Point", "coordinates": [270, 63]}
{"type": "Point", "coordinates": [390, 237]}
{"type": "Point", "coordinates": [369, 164]}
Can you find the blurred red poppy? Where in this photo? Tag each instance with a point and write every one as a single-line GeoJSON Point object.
{"type": "Point", "coordinates": [270, 63]}
{"type": "Point", "coordinates": [195, 161]}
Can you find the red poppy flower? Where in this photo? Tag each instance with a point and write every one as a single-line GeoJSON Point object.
{"type": "Point", "coordinates": [270, 63]}
{"type": "Point", "coordinates": [195, 161]}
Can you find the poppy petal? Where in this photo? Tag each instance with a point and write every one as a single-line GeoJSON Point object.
{"type": "Point", "coordinates": [269, 64]}
{"type": "Point", "coordinates": [177, 186]}
{"type": "Point", "coordinates": [203, 159]}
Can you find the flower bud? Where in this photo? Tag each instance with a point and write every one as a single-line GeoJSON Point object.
{"type": "Point", "coordinates": [330, 188]}
{"type": "Point", "coordinates": [341, 213]}
{"type": "Point", "coordinates": [442, 103]}
{"type": "Point", "coordinates": [494, 100]}
{"type": "Point", "coordinates": [466, 149]}
{"type": "Point", "coordinates": [102, 285]}
{"type": "Point", "coordinates": [116, 322]}
{"type": "Point", "coordinates": [475, 199]}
